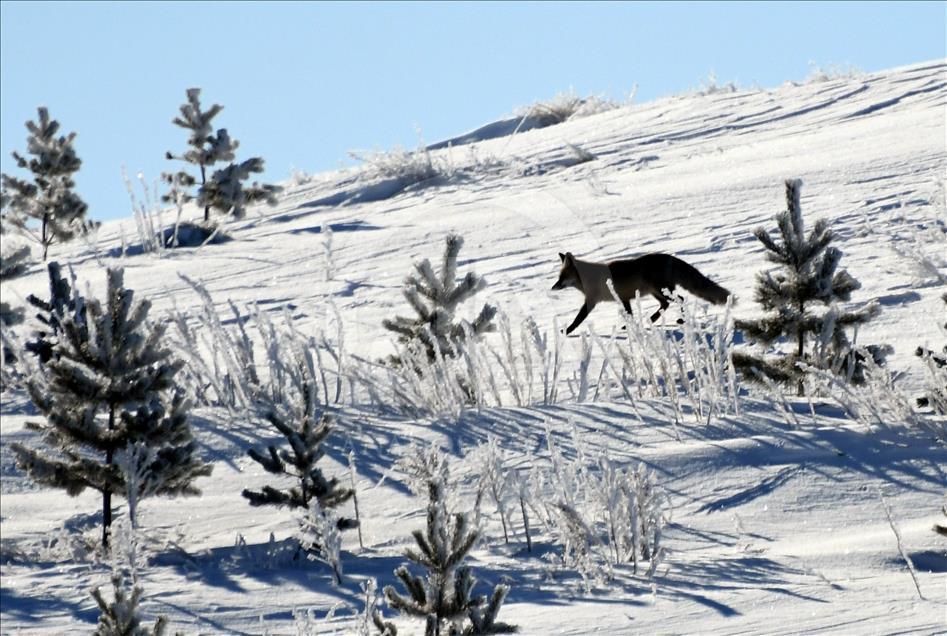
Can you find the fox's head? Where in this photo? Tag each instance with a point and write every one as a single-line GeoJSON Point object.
{"type": "Point", "coordinates": [569, 274]}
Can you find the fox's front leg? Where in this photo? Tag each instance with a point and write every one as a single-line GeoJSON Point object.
{"type": "Point", "coordinates": [579, 318]}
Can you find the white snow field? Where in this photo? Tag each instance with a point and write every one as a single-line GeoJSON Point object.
{"type": "Point", "coordinates": [777, 521]}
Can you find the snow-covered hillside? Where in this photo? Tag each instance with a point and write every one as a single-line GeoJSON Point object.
{"type": "Point", "coordinates": [778, 522]}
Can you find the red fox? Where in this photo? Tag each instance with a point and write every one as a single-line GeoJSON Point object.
{"type": "Point", "coordinates": [648, 274]}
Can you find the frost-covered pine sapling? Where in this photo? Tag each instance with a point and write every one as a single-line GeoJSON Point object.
{"type": "Point", "coordinates": [120, 616]}
{"type": "Point", "coordinates": [305, 427]}
{"type": "Point", "coordinates": [109, 383]}
{"type": "Point", "coordinates": [443, 598]}
{"type": "Point", "coordinates": [807, 277]}
{"type": "Point", "coordinates": [206, 147]}
{"type": "Point", "coordinates": [435, 298]}
{"type": "Point", "coordinates": [224, 190]}
{"type": "Point", "coordinates": [48, 198]}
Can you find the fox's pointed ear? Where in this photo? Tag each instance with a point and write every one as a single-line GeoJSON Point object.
{"type": "Point", "coordinates": [568, 258]}
{"type": "Point", "coordinates": [562, 256]}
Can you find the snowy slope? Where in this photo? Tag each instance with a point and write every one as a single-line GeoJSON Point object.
{"type": "Point", "coordinates": [776, 528]}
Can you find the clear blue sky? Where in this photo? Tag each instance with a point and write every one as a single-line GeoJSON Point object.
{"type": "Point", "coordinates": [304, 83]}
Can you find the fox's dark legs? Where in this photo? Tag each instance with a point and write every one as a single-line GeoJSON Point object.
{"type": "Point", "coordinates": [583, 313]}
{"type": "Point", "coordinates": [665, 301]}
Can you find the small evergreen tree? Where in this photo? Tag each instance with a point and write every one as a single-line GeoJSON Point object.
{"type": "Point", "coordinates": [305, 428]}
{"type": "Point", "coordinates": [443, 597]}
{"type": "Point", "coordinates": [49, 197]}
{"type": "Point", "coordinates": [435, 297]}
{"type": "Point", "coordinates": [808, 277]}
{"type": "Point", "coordinates": [120, 617]}
{"type": "Point", "coordinates": [224, 191]}
{"type": "Point", "coordinates": [106, 386]}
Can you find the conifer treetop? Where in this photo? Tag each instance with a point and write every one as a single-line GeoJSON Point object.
{"type": "Point", "coordinates": [435, 298]}
{"type": "Point", "coordinates": [206, 147]}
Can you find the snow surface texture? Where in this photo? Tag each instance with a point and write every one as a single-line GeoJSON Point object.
{"type": "Point", "coordinates": [777, 523]}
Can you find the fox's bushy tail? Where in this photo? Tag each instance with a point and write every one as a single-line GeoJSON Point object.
{"type": "Point", "coordinates": [696, 283]}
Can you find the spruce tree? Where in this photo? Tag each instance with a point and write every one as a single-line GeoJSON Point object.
{"type": "Point", "coordinates": [801, 297]}
{"type": "Point", "coordinates": [108, 385]}
{"type": "Point", "coordinates": [305, 428]}
{"type": "Point", "coordinates": [434, 298]}
{"type": "Point", "coordinates": [48, 198]}
{"type": "Point", "coordinates": [224, 191]}
{"type": "Point", "coordinates": [443, 597]}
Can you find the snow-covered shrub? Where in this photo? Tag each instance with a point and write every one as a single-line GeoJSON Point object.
{"type": "Point", "coordinates": [109, 383]}
{"type": "Point", "coordinates": [690, 366]}
{"type": "Point", "coordinates": [435, 298]}
{"type": "Point", "coordinates": [561, 499]}
{"type": "Point", "coordinates": [482, 374]}
{"type": "Point", "coordinates": [320, 537]}
{"type": "Point", "coordinates": [327, 253]}
{"type": "Point", "coordinates": [421, 465]}
{"type": "Point", "coordinates": [224, 366]}
{"type": "Point", "coordinates": [709, 86]}
{"type": "Point", "coordinates": [635, 512]}
{"type": "Point", "coordinates": [807, 276]}
{"type": "Point", "coordinates": [564, 106]}
{"type": "Point", "coordinates": [831, 72]}
{"type": "Point", "coordinates": [876, 402]}
{"type": "Point", "coordinates": [122, 615]}
{"type": "Point", "coordinates": [147, 213]}
{"type": "Point", "coordinates": [601, 515]}
{"type": "Point", "coordinates": [494, 479]}
{"type": "Point", "coordinates": [442, 597]}
{"type": "Point", "coordinates": [407, 167]}
{"type": "Point", "coordinates": [48, 198]}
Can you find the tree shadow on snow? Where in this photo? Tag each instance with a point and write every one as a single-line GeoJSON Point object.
{"type": "Point", "coordinates": [36, 608]}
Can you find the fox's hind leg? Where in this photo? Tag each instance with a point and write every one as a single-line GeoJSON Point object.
{"type": "Point", "coordinates": [665, 301]}
{"type": "Point", "coordinates": [583, 313]}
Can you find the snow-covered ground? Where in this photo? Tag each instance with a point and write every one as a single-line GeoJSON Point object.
{"type": "Point", "coordinates": [778, 524]}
